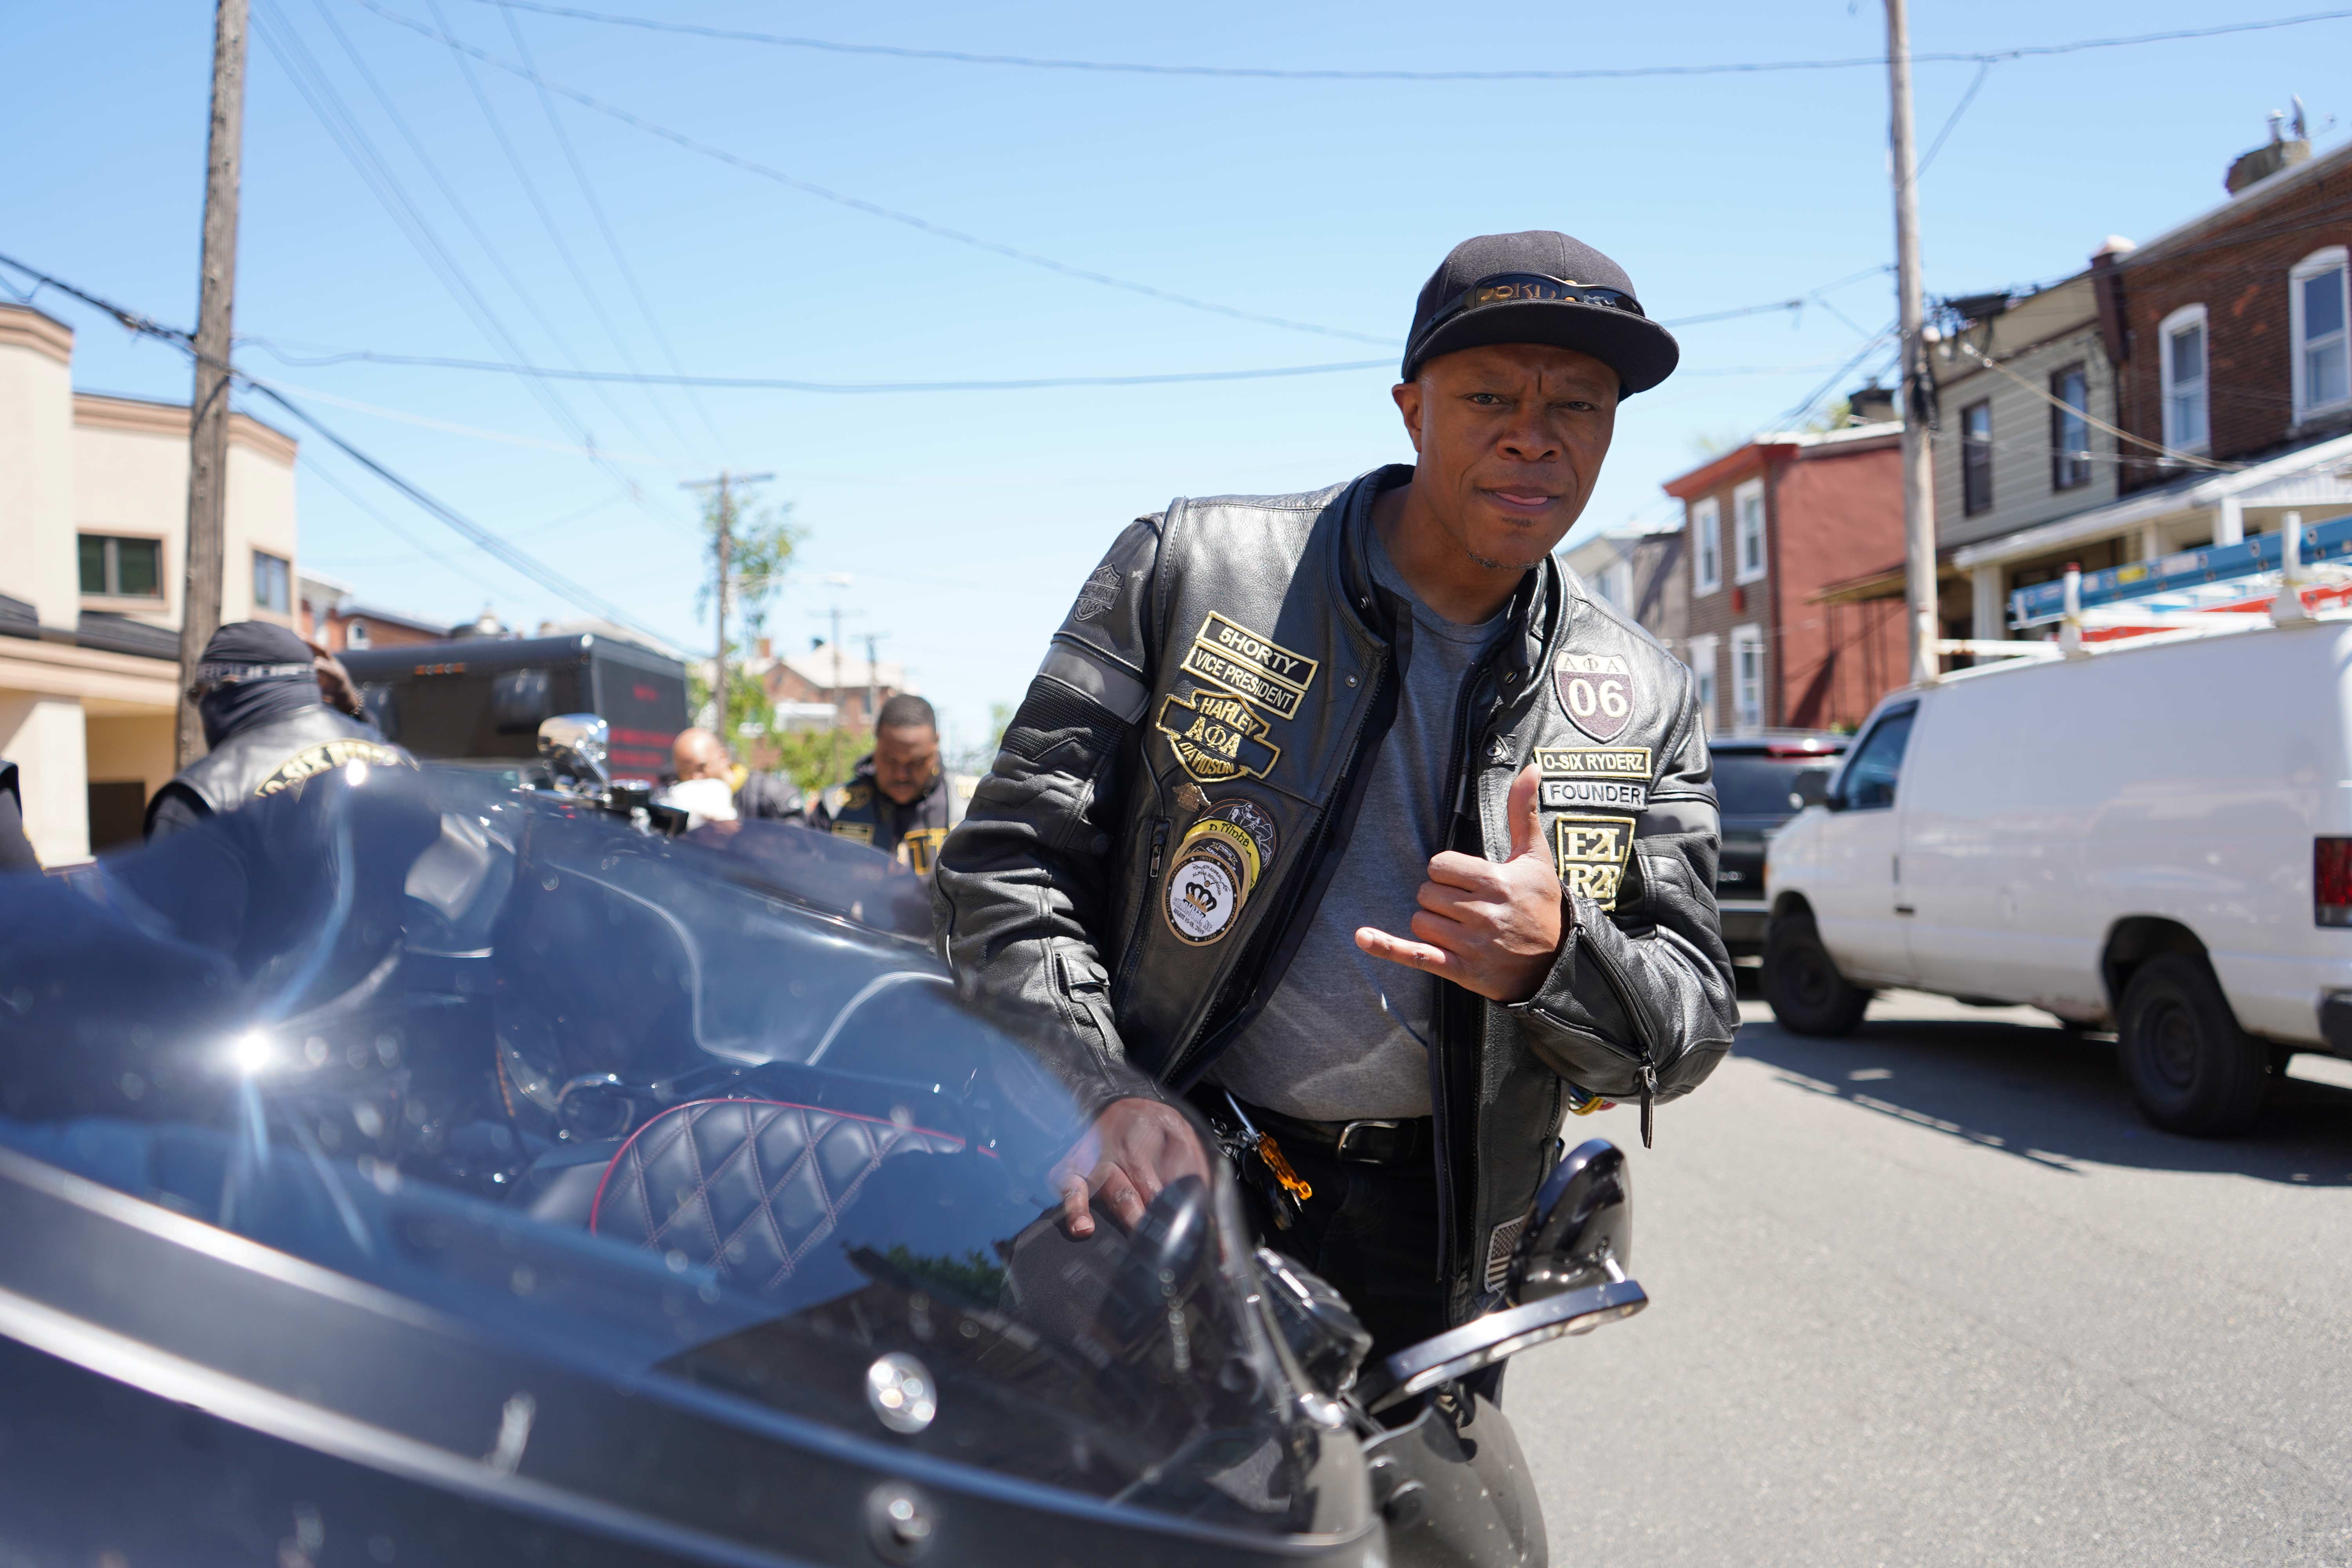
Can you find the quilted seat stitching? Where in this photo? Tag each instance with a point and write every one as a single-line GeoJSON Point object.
{"type": "Point", "coordinates": [768, 1195]}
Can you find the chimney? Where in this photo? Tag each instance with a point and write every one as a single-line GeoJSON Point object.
{"type": "Point", "coordinates": [2107, 290]}
{"type": "Point", "coordinates": [2277, 153]}
{"type": "Point", "coordinates": [767, 647]}
{"type": "Point", "coordinates": [1872, 404]}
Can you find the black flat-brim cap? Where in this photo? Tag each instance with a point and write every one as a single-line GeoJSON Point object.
{"type": "Point", "coordinates": [1489, 290]}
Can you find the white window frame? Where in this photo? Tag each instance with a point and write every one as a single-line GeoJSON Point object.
{"type": "Point", "coordinates": [2178, 440]}
{"type": "Point", "coordinates": [1703, 668]}
{"type": "Point", "coordinates": [1706, 545]}
{"type": "Point", "coordinates": [1746, 698]}
{"type": "Point", "coordinates": [1743, 536]}
{"type": "Point", "coordinates": [1616, 584]}
{"type": "Point", "coordinates": [2319, 263]}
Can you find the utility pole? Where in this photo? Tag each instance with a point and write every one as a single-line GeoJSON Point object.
{"type": "Point", "coordinates": [873, 683]}
{"type": "Point", "coordinates": [725, 542]}
{"type": "Point", "coordinates": [837, 581]}
{"type": "Point", "coordinates": [1918, 395]}
{"type": "Point", "coordinates": [200, 598]}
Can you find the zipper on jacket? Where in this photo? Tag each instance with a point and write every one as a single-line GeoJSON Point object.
{"type": "Point", "coordinates": [1646, 1064]}
{"type": "Point", "coordinates": [1134, 953]}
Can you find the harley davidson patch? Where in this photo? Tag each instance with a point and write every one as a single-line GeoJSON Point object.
{"type": "Point", "coordinates": [1216, 737]}
{"type": "Point", "coordinates": [1097, 595]}
{"type": "Point", "coordinates": [1596, 690]}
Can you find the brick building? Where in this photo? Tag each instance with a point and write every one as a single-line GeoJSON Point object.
{"type": "Point", "coordinates": [2226, 342]}
{"type": "Point", "coordinates": [1770, 530]}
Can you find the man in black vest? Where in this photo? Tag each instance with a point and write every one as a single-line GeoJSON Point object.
{"type": "Point", "coordinates": [267, 727]}
{"type": "Point", "coordinates": [898, 799]}
{"type": "Point", "coordinates": [1355, 813]}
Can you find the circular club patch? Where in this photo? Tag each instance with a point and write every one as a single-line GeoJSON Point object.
{"type": "Point", "coordinates": [1204, 893]}
{"type": "Point", "coordinates": [1251, 819]}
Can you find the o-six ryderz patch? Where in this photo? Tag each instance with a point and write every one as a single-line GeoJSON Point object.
{"type": "Point", "coordinates": [1592, 851]}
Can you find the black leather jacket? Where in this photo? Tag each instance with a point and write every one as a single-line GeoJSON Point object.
{"type": "Point", "coordinates": [1232, 660]}
{"type": "Point", "coordinates": [270, 757]}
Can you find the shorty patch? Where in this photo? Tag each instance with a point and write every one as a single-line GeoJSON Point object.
{"type": "Point", "coordinates": [1597, 691]}
{"type": "Point", "coordinates": [312, 760]}
{"type": "Point", "coordinates": [1216, 737]}
{"type": "Point", "coordinates": [1099, 593]}
{"type": "Point", "coordinates": [1592, 851]}
{"type": "Point", "coordinates": [1594, 762]}
{"type": "Point", "coordinates": [1232, 655]}
{"type": "Point", "coordinates": [1205, 892]}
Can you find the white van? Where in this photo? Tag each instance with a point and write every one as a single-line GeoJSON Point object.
{"type": "Point", "coordinates": [2153, 837]}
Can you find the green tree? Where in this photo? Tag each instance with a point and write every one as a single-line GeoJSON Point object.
{"type": "Point", "coordinates": [759, 545]}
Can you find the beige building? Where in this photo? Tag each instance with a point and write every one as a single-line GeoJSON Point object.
{"type": "Point", "coordinates": [94, 515]}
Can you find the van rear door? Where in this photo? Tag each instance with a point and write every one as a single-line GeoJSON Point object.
{"type": "Point", "coordinates": [1858, 902]}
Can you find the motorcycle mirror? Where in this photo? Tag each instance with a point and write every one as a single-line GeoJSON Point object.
{"type": "Point", "coordinates": [573, 746]}
{"type": "Point", "coordinates": [1581, 1230]}
{"type": "Point", "coordinates": [1323, 1332]}
{"type": "Point", "coordinates": [1568, 1276]}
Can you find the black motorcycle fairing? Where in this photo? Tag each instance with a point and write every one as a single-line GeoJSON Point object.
{"type": "Point", "coordinates": [343, 1064]}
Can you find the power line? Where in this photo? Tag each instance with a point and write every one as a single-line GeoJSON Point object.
{"type": "Point", "coordinates": [1958, 109]}
{"type": "Point", "coordinates": [858, 203]}
{"type": "Point", "coordinates": [604, 224]}
{"type": "Point", "coordinates": [482, 538]}
{"type": "Point", "coordinates": [1272, 73]}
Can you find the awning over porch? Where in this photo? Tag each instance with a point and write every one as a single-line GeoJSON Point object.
{"type": "Point", "coordinates": [2315, 476]}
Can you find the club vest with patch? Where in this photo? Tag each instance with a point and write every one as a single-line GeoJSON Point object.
{"type": "Point", "coordinates": [280, 755]}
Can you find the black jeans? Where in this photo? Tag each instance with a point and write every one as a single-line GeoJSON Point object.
{"type": "Point", "coordinates": [1372, 1232]}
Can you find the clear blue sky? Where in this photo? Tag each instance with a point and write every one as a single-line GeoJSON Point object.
{"type": "Point", "coordinates": [967, 520]}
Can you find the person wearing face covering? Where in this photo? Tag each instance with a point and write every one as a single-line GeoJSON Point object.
{"type": "Point", "coordinates": [267, 726]}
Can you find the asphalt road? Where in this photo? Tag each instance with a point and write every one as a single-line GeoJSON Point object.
{"type": "Point", "coordinates": [1934, 1294]}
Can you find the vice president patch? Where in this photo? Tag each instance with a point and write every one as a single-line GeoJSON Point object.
{"type": "Point", "coordinates": [1225, 653]}
{"type": "Point", "coordinates": [1597, 691]}
{"type": "Point", "coordinates": [1592, 851]}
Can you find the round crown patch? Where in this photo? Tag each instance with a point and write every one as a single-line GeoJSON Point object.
{"type": "Point", "coordinates": [1204, 893]}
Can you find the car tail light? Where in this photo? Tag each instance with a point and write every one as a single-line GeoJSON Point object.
{"type": "Point", "coordinates": [2331, 881]}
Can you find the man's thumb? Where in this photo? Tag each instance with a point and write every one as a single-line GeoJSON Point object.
{"type": "Point", "coordinates": [1526, 825]}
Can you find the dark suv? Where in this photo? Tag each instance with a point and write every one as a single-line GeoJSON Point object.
{"type": "Point", "coordinates": [1755, 787]}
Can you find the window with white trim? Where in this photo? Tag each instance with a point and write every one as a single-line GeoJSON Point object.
{"type": "Point", "coordinates": [1702, 663]}
{"type": "Point", "coordinates": [2318, 306]}
{"type": "Point", "coordinates": [1616, 584]}
{"type": "Point", "coordinates": [1706, 546]}
{"type": "Point", "coordinates": [1748, 677]}
{"type": "Point", "coordinates": [1747, 532]}
{"type": "Point", "coordinates": [2185, 351]}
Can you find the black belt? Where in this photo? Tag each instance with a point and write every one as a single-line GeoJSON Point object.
{"type": "Point", "coordinates": [1369, 1142]}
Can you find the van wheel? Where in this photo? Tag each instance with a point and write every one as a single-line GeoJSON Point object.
{"type": "Point", "coordinates": [1801, 983]}
{"type": "Point", "coordinates": [2191, 1069]}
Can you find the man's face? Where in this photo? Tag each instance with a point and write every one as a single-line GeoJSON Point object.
{"type": "Point", "coordinates": [697, 754]}
{"type": "Point", "coordinates": [906, 760]}
{"type": "Point", "coordinates": [1510, 438]}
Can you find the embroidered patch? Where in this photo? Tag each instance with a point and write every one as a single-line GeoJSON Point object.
{"type": "Point", "coordinates": [1216, 737]}
{"type": "Point", "coordinates": [312, 760]}
{"type": "Point", "coordinates": [1099, 593]}
{"type": "Point", "coordinates": [856, 832]}
{"type": "Point", "coordinates": [1604, 794]}
{"type": "Point", "coordinates": [1246, 664]}
{"type": "Point", "coordinates": [1205, 892]}
{"type": "Point", "coordinates": [918, 850]}
{"type": "Point", "coordinates": [1594, 762]}
{"type": "Point", "coordinates": [1250, 818]}
{"type": "Point", "coordinates": [1592, 851]}
{"type": "Point", "coordinates": [1597, 690]}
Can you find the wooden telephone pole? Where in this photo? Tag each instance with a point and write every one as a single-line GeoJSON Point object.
{"type": "Point", "coordinates": [200, 601]}
{"type": "Point", "coordinates": [724, 547]}
{"type": "Point", "coordinates": [1918, 386]}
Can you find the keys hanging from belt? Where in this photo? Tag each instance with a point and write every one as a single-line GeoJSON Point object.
{"type": "Point", "coordinates": [1285, 1189]}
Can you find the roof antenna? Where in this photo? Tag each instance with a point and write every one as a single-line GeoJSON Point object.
{"type": "Point", "coordinates": [2302, 133]}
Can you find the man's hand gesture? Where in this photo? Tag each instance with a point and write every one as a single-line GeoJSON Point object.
{"type": "Point", "coordinates": [1490, 928]}
{"type": "Point", "coordinates": [1135, 1148]}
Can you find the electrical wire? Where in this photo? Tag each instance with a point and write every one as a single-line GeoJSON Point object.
{"type": "Point", "coordinates": [858, 203]}
{"type": "Point", "coordinates": [1958, 109]}
{"type": "Point", "coordinates": [2093, 420]}
{"type": "Point", "coordinates": [482, 538]}
{"type": "Point", "coordinates": [604, 226]}
{"type": "Point", "coordinates": [1602, 73]}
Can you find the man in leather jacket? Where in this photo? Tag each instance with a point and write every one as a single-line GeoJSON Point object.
{"type": "Point", "coordinates": [898, 799]}
{"type": "Point", "coordinates": [260, 690]}
{"type": "Point", "coordinates": [1356, 813]}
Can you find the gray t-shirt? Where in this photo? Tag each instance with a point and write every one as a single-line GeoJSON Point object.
{"type": "Point", "coordinates": [1323, 1048]}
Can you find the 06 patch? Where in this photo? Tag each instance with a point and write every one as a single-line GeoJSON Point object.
{"type": "Point", "coordinates": [1227, 654]}
{"type": "Point", "coordinates": [1216, 737]}
{"type": "Point", "coordinates": [1593, 852]}
{"type": "Point", "coordinates": [1597, 690]}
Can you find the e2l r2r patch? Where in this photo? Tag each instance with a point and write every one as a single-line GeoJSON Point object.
{"type": "Point", "coordinates": [1597, 691]}
{"type": "Point", "coordinates": [1593, 852]}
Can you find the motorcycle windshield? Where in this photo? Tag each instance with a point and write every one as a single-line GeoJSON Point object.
{"type": "Point", "coordinates": [698, 1113]}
